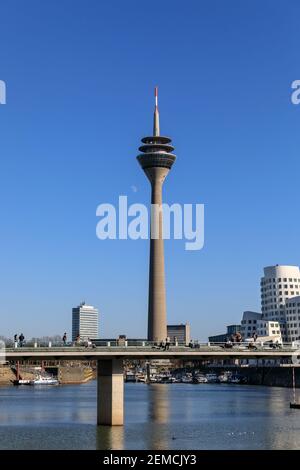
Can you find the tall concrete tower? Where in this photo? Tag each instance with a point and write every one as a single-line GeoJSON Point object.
{"type": "Point", "coordinates": [156, 160]}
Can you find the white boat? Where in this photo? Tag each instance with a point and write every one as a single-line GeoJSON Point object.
{"type": "Point", "coordinates": [186, 379]}
{"type": "Point", "coordinates": [225, 377]}
{"type": "Point", "coordinates": [166, 378]}
{"type": "Point", "coordinates": [153, 379]}
{"type": "Point", "coordinates": [212, 378]}
{"type": "Point", "coordinates": [171, 380]}
{"type": "Point", "coordinates": [235, 379]}
{"type": "Point", "coordinates": [141, 378]}
{"type": "Point", "coordinates": [201, 379]}
{"type": "Point", "coordinates": [44, 380]}
{"type": "Point", "coordinates": [130, 377]}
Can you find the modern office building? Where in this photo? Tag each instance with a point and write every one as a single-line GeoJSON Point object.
{"type": "Point", "coordinates": [180, 332]}
{"type": "Point", "coordinates": [231, 330]}
{"type": "Point", "coordinates": [278, 285]}
{"type": "Point", "coordinates": [253, 322]}
{"type": "Point", "coordinates": [84, 322]}
{"type": "Point", "coordinates": [268, 328]}
{"type": "Point", "coordinates": [249, 323]}
{"type": "Point", "coordinates": [292, 316]}
{"type": "Point", "coordinates": [156, 160]}
{"type": "Point", "coordinates": [280, 307]}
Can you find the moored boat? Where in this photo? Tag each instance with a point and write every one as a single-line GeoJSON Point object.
{"type": "Point", "coordinates": [130, 377]}
{"type": "Point", "coordinates": [212, 378]}
{"type": "Point", "coordinates": [200, 379]}
{"type": "Point", "coordinates": [187, 379]}
{"type": "Point", "coordinates": [235, 379]}
{"type": "Point", "coordinates": [44, 380]}
{"type": "Point", "coordinates": [140, 377]}
{"type": "Point", "coordinates": [22, 382]}
{"type": "Point", "coordinates": [223, 379]}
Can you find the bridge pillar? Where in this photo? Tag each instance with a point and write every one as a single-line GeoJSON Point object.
{"type": "Point", "coordinates": [110, 392]}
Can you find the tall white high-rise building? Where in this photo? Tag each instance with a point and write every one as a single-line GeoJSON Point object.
{"type": "Point", "coordinates": [84, 322]}
{"type": "Point", "coordinates": [278, 285]}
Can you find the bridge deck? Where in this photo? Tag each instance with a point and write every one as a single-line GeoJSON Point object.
{"type": "Point", "coordinates": [147, 352]}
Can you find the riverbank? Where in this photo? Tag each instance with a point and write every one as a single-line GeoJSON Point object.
{"type": "Point", "coordinates": [69, 373]}
{"type": "Point", "coordinates": [7, 376]}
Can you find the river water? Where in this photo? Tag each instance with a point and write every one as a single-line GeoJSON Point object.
{"type": "Point", "coordinates": [175, 416]}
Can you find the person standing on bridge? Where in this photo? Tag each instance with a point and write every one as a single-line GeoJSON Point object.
{"type": "Point", "coordinates": [64, 338]}
{"type": "Point", "coordinates": [21, 340]}
{"type": "Point", "coordinates": [167, 344]}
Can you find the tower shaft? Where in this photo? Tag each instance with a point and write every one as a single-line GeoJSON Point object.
{"type": "Point", "coordinates": [157, 315]}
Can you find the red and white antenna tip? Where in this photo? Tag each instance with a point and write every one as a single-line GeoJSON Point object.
{"type": "Point", "coordinates": [156, 95]}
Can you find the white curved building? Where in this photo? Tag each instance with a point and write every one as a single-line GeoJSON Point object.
{"type": "Point", "coordinates": [278, 285]}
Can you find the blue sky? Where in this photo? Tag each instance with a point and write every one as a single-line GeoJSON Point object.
{"type": "Point", "coordinates": [80, 78]}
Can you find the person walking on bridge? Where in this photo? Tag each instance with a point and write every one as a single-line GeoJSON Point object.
{"type": "Point", "coordinates": [167, 343]}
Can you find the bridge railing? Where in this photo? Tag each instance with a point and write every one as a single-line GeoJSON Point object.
{"type": "Point", "coordinates": [144, 344]}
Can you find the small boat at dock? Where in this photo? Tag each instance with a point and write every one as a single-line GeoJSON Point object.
{"type": "Point", "coordinates": [130, 377]}
{"type": "Point", "coordinates": [19, 380]}
{"type": "Point", "coordinates": [212, 378]}
{"type": "Point", "coordinates": [200, 379]}
{"type": "Point", "coordinates": [22, 382]}
{"type": "Point", "coordinates": [45, 380]}
{"type": "Point", "coordinates": [187, 379]}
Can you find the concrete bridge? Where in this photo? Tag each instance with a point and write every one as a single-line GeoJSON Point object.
{"type": "Point", "coordinates": [110, 388]}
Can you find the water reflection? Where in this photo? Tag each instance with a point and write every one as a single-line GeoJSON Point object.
{"type": "Point", "coordinates": [158, 413]}
{"type": "Point", "coordinates": [110, 438]}
{"type": "Point", "coordinates": [158, 403]}
{"type": "Point", "coordinates": [208, 416]}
